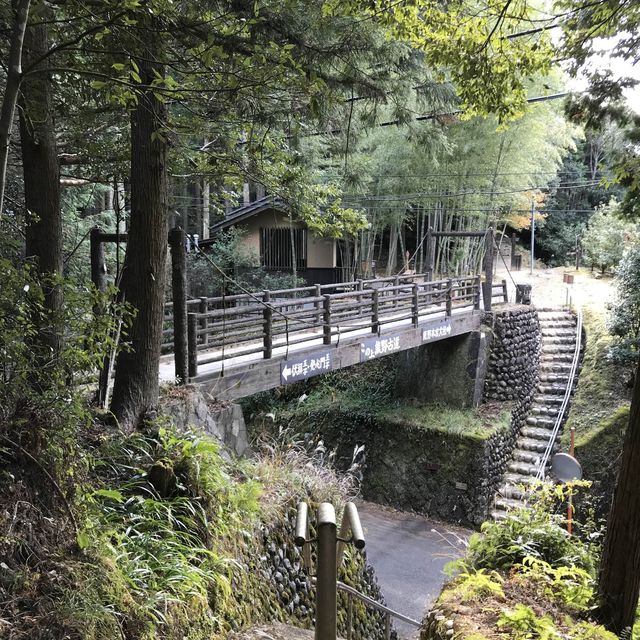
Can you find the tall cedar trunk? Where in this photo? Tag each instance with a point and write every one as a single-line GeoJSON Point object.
{"type": "Point", "coordinates": [136, 381]}
{"type": "Point", "coordinates": [619, 581]}
{"type": "Point", "coordinates": [10, 98]}
{"type": "Point", "coordinates": [41, 174]}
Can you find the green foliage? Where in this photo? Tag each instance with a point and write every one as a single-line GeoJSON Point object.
{"type": "Point", "coordinates": [606, 237]}
{"type": "Point", "coordinates": [624, 314]}
{"type": "Point", "coordinates": [472, 585]}
{"type": "Point", "coordinates": [591, 631]}
{"type": "Point", "coordinates": [601, 389]}
{"type": "Point", "coordinates": [37, 383]}
{"type": "Point", "coordinates": [162, 517]}
{"type": "Point", "coordinates": [529, 532]}
{"type": "Point", "coordinates": [572, 585]}
{"type": "Point", "coordinates": [524, 624]}
{"type": "Point", "coordinates": [230, 267]}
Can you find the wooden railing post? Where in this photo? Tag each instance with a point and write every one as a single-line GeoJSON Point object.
{"type": "Point", "coordinates": [192, 331]}
{"type": "Point", "coordinates": [375, 309]}
{"type": "Point", "coordinates": [487, 287]}
{"type": "Point", "coordinates": [396, 283]}
{"type": "Point", "coordinates": [431, 254]}
{"type": "Point", "coordinates": [203, 307]}
{"type": "Point", "coordinates": [476, 292]}
{"type": "Point", "coordinates": [179, 295]}
{"type": "Point", "coordinates": [415, 304]}
{"type": "Point", "coordinates": [267, 325]}
{"type": "Point", "coordinates": [326, 319]}
{"type": "Point", "coordinates": [449, 297]}
{"type": "Point", "coordinates": [98, 265]}
{"type": "Point", "coordinates": [317, 304]}
{"type": "Point", "coordinates": [505, 293]}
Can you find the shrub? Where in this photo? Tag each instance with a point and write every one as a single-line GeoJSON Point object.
{"type": "Point", "coordinates": [533, 532]}
{"type": "Point", "coordinates": [624, 316]}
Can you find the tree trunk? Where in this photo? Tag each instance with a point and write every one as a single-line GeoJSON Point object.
{"type": "Point", "coordinates": [10, 99]}
{"type": "Point", "coordinates": [136, 381]}
{"type": "Point", "coordinates": [41, 175]}
{"type": "Point", "coordinates": [619, 581]}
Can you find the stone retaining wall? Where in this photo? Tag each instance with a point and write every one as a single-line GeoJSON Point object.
{"type": "Point", "coordinates": [512, 375]}
{"type": "Point", "coordinates": [188, 407]}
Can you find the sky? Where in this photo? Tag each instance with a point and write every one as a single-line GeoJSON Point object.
{"type": "Point", "coordinates": [620, 68]}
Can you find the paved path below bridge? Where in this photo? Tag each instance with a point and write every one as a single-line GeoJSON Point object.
{"type": "Point", "coordinates": [408, 553]}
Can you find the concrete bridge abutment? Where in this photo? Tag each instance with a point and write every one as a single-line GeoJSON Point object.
{"type": "Point", "coordinates": [450, 371]}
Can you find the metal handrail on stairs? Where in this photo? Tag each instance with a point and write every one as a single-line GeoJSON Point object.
{"type": "Point", "coordinates": [389, 613]}
{"type": "Point", "coordinates": [544, 461]}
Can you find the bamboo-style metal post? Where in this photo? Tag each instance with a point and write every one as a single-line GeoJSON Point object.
{"type": "Point", "coordinates": [179, 295]}
{"type": "Point", "coordinates": [192, 333]}
{"type": "Point", "coordinates": [487, 287]}
{"type": "Point", "coordinates": [267, 325]}
{"type": "Point", "coordinates": [326, 319]}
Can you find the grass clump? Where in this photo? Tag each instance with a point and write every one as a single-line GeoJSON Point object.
{"type": "Point", "coordinates": [601, 390]}
{"type": "Point", "coordinates": [524, 577]}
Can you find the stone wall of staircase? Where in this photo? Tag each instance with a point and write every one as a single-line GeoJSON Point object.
{"type": "Point", "coordinates": [512, 375]}
{"type": "Point", "coordinates": [559, 344]}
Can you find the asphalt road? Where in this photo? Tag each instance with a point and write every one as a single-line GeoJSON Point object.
{"type": "Point", "coordinates": [408, 553]}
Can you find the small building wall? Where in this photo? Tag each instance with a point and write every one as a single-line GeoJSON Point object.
{"type": "Point", "coordinates": [321, 252]}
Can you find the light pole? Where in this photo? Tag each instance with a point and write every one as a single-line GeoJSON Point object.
{"type": "Point", "coordinates": [533, 232]}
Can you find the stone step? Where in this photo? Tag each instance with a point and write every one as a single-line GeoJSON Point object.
{"type": "Point", "coordinates": [540, 421]}
{"type": "Point", "coordinates": [534, 445]}
{"type": "Point", "coordinates": [546, 400]}
{"type": "Point", "coordinates": [552, 389]}
{"type": "Point", "coordinates": [557, 323]}
{"type": "Point", "coordinates": [554, 378]}
{"type": "Point", "coordinates": [553, 340]}
{"type": "Point", "coordinates": [498, 514]}
{"type": "Point", "coordinates": [538, 433]}
{"type": "Point", "coordinates": [543, 410]}
{"type": "Point", "coordinates": [555, 367]}
{"type": "Point", "coordinates": [558, 332]}
{"type": "Point", "coordinates": [525, 455]}
{"type": "Point", "coordinates": [506, 504]}
{"type": "Point", "coordinates": [517, 479]}
{"type": "Point", "coordinates": [557, 357]}
{"type": "Point", "coordinates": [558, 314]}
{"type": "Point", "coordinates": [510, 491]}
{"type": "Point", "coordinates": [525, 468]}
{"type": "Point", "coordinates": [558, 345]}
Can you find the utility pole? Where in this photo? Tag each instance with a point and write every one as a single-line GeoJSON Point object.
{"type": "Point", "coordinates": [533, 232]}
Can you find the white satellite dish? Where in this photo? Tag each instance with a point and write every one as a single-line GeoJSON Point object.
{"type": "Point", "coordinates": [565, 468]}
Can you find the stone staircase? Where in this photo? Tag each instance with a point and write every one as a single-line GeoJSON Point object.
{"type": "Point", "coordinates": [558, 329]}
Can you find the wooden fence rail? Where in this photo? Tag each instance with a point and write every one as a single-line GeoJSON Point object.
{"type": "Point", "coordinates": [241, 325]}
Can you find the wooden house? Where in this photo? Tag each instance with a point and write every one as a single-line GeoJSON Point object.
{"type": "Point", "coordinates": [270, 233]}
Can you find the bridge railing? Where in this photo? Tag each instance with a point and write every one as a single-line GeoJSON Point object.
{"type": "Point", "coordinates": [246, 325]}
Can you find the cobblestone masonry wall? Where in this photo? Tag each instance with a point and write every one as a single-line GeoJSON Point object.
{"type": "Point", "coordinates": [512, 374]}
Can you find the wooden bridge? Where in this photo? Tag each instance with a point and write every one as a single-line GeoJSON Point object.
{"type": "Point", "coordinates": [238, 345]}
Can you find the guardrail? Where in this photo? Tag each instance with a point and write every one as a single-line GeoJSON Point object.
{"type": "Point", "coordinates": [388, 612]}
{"type": "Point", "coordinates": [249, 324]}
{"type": "Point", "coordinates": [544, 460]}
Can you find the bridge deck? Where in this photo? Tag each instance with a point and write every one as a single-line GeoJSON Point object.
{"type": "Point", "coordinates": [233, 376]}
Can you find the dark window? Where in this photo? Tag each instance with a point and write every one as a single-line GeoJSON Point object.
{"type": "Point", "coordinates": [275, 248]}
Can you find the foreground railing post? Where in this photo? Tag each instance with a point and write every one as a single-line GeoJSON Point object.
{"type": "Point", "coordinates": [326, 595]}
{"type": "Point", "coordinates": [375, 311]}
{"type": "Point", "coordinates": [179, 298]}
{"type": "Point", "coordinates": [192, 333]}
{"type": "Point", "coordinates": [317, 304]}
{"type": "Point", "coordinates": [329, 558]}
{"type": "Point", "coordinates": [505, 293]}
{"type": "Point", "coordinates": [326, 320]}
{"type": "Point", "coordinates": [267, 325]}
{"type": "Point", "coordinates": [449, 297]}
{"type": "Point", "coordinates": [415, 302]}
